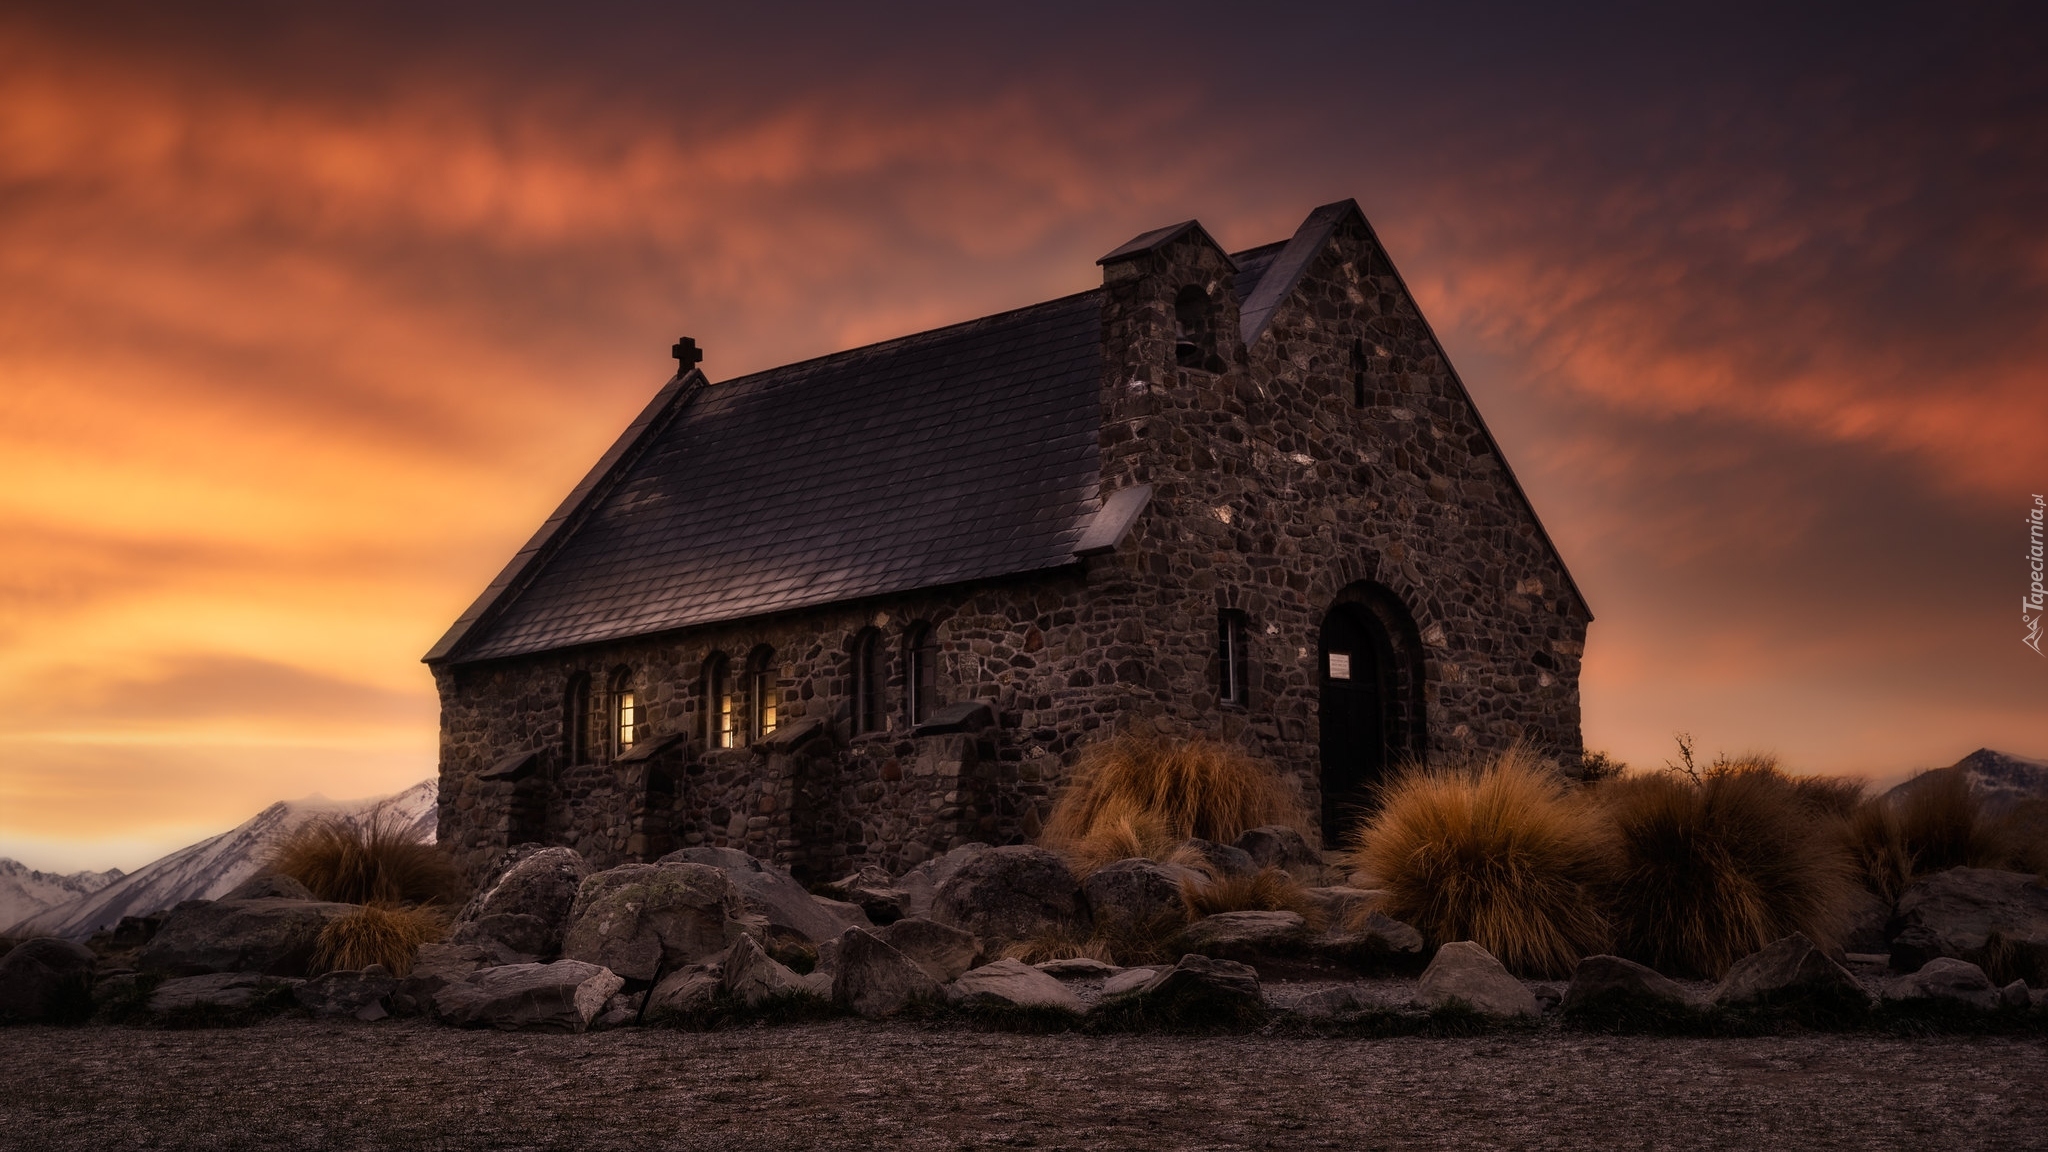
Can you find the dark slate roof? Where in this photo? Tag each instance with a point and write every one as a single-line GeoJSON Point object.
{"type": "Point", "coordinates": [1284, 271]}
{"type": "Point", "coordinates": [958, 454]}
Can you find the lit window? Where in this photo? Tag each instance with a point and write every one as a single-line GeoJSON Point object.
{"type": "Point", "coordinates": [1233, 661]}
{"type": "Point", "coordinates": [921, 673]}
{"type": "Point", "coordinates": [763, 695]}
{"type": "Point", "coordinates": [718, 703]}
{"type": "Point", "coordinates": [867, 681]}
{"type": "Point", "coordinates": [625, 712]}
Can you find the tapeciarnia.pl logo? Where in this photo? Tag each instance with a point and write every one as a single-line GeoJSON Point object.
{"type": "Point", "coordinates": [2036, 599]}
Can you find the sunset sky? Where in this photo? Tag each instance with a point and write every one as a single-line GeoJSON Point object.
{"type": "Point", "coordinates": [307, 321]}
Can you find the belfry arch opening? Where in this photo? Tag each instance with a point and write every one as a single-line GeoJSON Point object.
{"type": "Point", "coordinates": [1370, 701]}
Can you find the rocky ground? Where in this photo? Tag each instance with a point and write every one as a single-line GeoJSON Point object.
{"type": "Point", "coordinates": [297, 1083]}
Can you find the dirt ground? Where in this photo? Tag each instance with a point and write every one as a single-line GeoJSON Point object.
{"type": "Point", "coordinates": [296, 1083]}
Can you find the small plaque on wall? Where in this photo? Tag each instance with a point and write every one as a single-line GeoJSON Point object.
{"type": "Point", "coordinates": [1340, 665]}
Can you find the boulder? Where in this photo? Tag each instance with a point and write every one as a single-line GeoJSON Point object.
{"type": "Point", "coordinates": [1945, 978]}
{"type": "Point", "coordinates": [639, 920]}
{"type": "Point", "coordinates": [874, 891]}
{"type": "Point", "coordinates": [874, 979]}
{"type": "Point", "coordinates": [1278, 846]}
{"type": "Point", "coordinates": [526, 905]}
{"type": "Point", "coordinates": [1012, 893]}
{"type": "Point", "coordinates": [560, 997]}
{"type": "Point", "coordinates": [1611, 984]}
{"type": "Point", "coordinates": [1340, 905]}
{"type": "Point", "coordinates": [1866, 919]}
{"type": "Point", "coordinates": [1467, 973]}
{"type": "Point", "coordinates": [1137, 894]}
{"type": "Point", "coordinates": [1129, 980]}
{"type": "Point", "coordinates": [1327, 1002]}
{"type": "Point", "coordinates": [268, 935]}
{"type": "Point", "coordinates": [752, 976]}
{"type": "Point", "coordinates": [1222, 859]}
{"type": "Point", "coordinates": [1374, 940]}
{"type": "Point", "coordinates": [224, 991]}
{"type": "Point", "coordinates": [1791, 971]}
{"type": "Point", "coordinates": [1200, 988]}
{"type": "Point", "coordinates": [1246, 937]}
{"type": "Point", "coordinates": [687, 990]}
{"type": "Point", "coordinates": [944, 952]}
{"type": "Point", "coordinates": [434, 967]}
{"type": "Point", "coordinates": [621, 1011]}
{"type": "Point", "coordinates": [772, 894]}
{"type": "Point", "coordinates": [1077, 968]}
{"type": "Point", "coordinates": [1012, 983]}
{"type": "Point", "coordinates": [2015, 995]}
{"type": "Point", "coordinates": [46, 979]}
{"type": "Point", "coordinates": [921, 884]}
{"type": "Point", "coordinates": [270, 886]}
{"type": "Point", "coordinates": [1994, 919]}
{"type": "Point", "coordinates": [361, 993]}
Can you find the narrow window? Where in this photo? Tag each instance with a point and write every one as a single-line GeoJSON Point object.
{"type": "Point", "coordinates": [718, 702]}
{"type": "Point", "coordinates": [625, 712]}
{"type": "Point", "coordinates": [920, 673]}
{"type": "Point", "coordinates": [576, 720]}
{"type": "Point", "coordinates": [1358, 374]}
{"type": "Point", "coordinates": [1232, 659]}
{"type": "Point", "coordinates": [1194, 340]}
{"type": "Point", "coordinates": [867, 681]}
{"type": "Point", "coordinates": [764, 696]}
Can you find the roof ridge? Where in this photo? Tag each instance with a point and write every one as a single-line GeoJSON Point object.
{"type": "Point", "coordinates": [1290, 266]}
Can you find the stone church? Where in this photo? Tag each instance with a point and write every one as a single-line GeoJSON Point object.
{"type": "Point", "coordinates": [866, 607]}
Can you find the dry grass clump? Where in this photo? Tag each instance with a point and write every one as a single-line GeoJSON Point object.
{"type": "Point", "coordinates": [1270, 889]}
{"type": "Point", "coordinates": [377, 934]}
{"type": "Point", "coordinates": [1877, 847]}
{"type": "Point", "coordinates": [1944, 825]}
{"type": "Point", "coordinates": [366, 861]}
{"type": "Point", "coordinates": [1059, 943]}
{"type": "Point", "coordinates": [1140, 795]}
{"type": "Point", "coordinates": [1714, 867]}
{"type": "Point", "coordinates": [1499, 855]}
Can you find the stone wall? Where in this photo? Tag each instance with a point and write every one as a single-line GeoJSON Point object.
{"type": "Point", "coordinates": [1274, 493]}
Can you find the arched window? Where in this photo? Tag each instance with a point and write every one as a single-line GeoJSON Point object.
{"type": "Point", "coordinates": [576, 720]}
{"type": "Point", "coordinates": [1194, 322]}
{"type": "Point", "coordinates": [764, 695]}
{"type": "Point", "coordinates": [1233, 661]}
{"type": "Point", "coordinates": [867, 681]}
{"type": "Point", "coordinates": [720, 720]}
{"type": "Point", "coordinates": [625, 712]}
{"type": "Point", "coordinates": [920, 673]}
{"type": "Point", "coordinates": [1358, 373]}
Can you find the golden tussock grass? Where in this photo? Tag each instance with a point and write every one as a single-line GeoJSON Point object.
{"type": "Point", "coordinates": [377, 934]}
{"type": "Point", "coordinates": [1061, 943]}
{"type": "Point", "coordinates": [1713, 868]}
{"type": "Point", "coordinates": [366, 861]}
{"type": "Point", "coordinates": [1140, 795]}
{"type": "Point", "coordinates": [1944, 824]}
{"type": "Point", "coordinates": [1498, 854]}
{"type": "Point", "coordinates": [1270, 889]}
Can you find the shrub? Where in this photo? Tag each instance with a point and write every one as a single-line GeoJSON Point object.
{"type": "Point", "coordinates": [1715, 867]}
{"type": "Point", "coordinates": [1138, 796]}
{"type": "Point", "coordinates": [1944, 825]}
{"type": "Point", "coordinates": [377, 934]}
{"type": "Point", "coordinates": [1877, 847]}
{"type": "Point", "coordinates": [366, 861]}
{"type": "Point", "coordinates": [1497, 854]}
{"type": "Point", "coordinates": [1270, 889]}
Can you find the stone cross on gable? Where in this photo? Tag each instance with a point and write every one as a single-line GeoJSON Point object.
{"type": "Point", "coordinates": [687, 355]}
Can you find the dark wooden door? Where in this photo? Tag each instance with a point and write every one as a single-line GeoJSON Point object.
{"type": "Point", "coordinates": [1356, 659]}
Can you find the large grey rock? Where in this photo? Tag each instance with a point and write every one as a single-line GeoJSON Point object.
{"type": "Point", "coordinates": [1278, 846]}
{"type": "Point", "coordinates": [1790, 971]}
{"type": "Point", "coordinates": [752, 976]}
{"type": "Point", "coordinates": [272, 936]}
{"type": "Point", "coordinates": [434, 967]}
{"type": "Point", "coordinates": [1012, 893]}
{"type": "Point", "coordinates": [1137, 894]}
{"type": "Point", "coordinates": [1012, 983]}
{"type": "Point", "coordinates": [1247, 937]}
{"type": "Point", "coordinates": [787, 905]}
{"type": "Point", "coordinates": [560, 997]}
{"type": "Point", "coordinates": [361, 993]}
{"type": "Point", "coordinates": [1956, 914]}
{"type": "Point", "coordinates": [271, 886]}
{"type": "Point", "coordinates": [1945, 978]}
{"type": "Point", "coordinates": [1077, 968]}
{"type": "Point", "coordinates": [639, 920]}
{"type": "Point", "coordinates": [1340, 905]}
{"type": "Point", "coordinates": [874, 891]}
{"type": "Point", "coordinates": [1203, 988]}
{"type": "Point", "coordinates": [45, 979]}
{"type": "Point", "coordinates": [687, 990]}
{"type": "Point", "coordinates": [621, 1011]}
{"type": "Point", "coordinates": [225, 991]}
{"type": "Point", "coordinates": [921, 884]}
{"type": "Point", "coordinates": [1128, 980]}
{"type": "Point", "coordinates": [1222, 859]}
{"type": "Point", "coordinates": [526, 905]}
{"type": "Point", "coordinates": [874, 979]}
{"type": "Point", "coordinates": [1373, 940]}
{"type": "Point", "coordinates": [1615, 984]}
{"type": "Point", "coordinates": [944, 952]}
{"type": "Point", "coordinates": [1465, 972]}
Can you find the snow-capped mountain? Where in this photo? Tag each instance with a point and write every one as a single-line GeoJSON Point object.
{"type": "Point", "coordinates": [1998, 778]}
{"type": "Point", "coordinates": [211, 868]}
{"type": "Point", "coordinates": [25, 892]}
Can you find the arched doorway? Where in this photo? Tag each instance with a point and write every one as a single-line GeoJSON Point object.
{"type": "Point", "coordinates": [1370, 700]}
